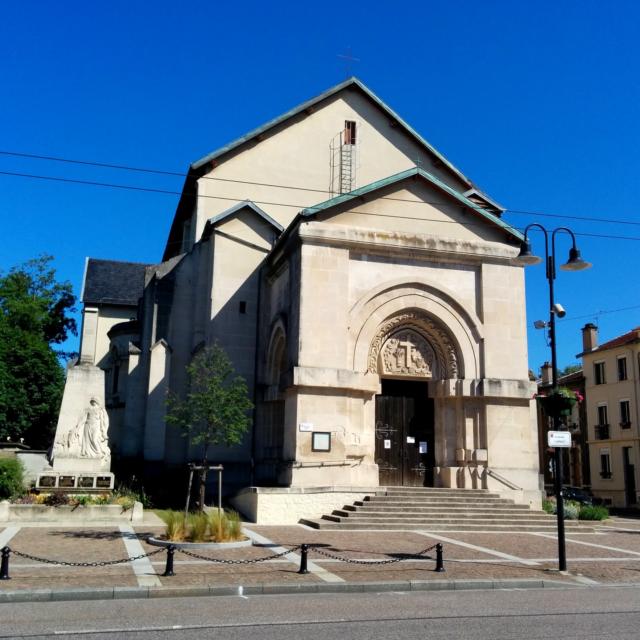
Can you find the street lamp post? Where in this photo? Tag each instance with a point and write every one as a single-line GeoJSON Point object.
{"type": "Point", "coordinates": [574, 263]}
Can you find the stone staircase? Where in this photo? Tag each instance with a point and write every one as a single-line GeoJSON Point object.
{"type": "Point", "coordinates": [403, 508]}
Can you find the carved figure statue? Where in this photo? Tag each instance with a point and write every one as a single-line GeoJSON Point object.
{"type": "Point", "coordinates": [89, 437]}
{"type": "Point", "coordinates": [92, 428]}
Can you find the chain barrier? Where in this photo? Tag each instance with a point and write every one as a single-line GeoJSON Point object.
{"type": "Point", "coordinates": [248, 561]}
{"type": "Point", "coordinates": [98, 563]}
{"type": "Point", "coordinates": [402, 558]}
{"type": "Point", "coordinates": [171, 549]}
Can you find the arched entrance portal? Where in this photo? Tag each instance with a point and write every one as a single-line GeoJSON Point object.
{"type": "Point", "coordinates": [405, 434]}
{"type": "Point", "coordinates": [408, 352]}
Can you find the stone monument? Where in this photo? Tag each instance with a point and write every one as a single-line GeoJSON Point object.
{"type": "Point", "coordinates": [80, 457]}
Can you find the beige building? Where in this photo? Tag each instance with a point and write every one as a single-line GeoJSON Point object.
{"type": "Point", "coordinates": [362, 285]}
{"type": "Point", "coordinates": [612, 389]}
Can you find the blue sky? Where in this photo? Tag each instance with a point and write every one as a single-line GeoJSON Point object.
{"type": "Point", "coordinates": [537, 102]}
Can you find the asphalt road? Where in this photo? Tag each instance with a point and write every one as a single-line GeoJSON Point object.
{"type": "Point", "coordinates": [589, 613]}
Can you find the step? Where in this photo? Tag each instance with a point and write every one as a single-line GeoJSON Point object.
{"type": "Point", "coordinates": [436, 500]}
{"type": "Point", "coordinates": [375, 506]}
{"type": "Point", "coordinates": [498, 528]}
{"type": "Point", "coordinates": [486, 515]}
{"type": "Point", "coordinates": [435, 490]}
{"type": "Point", "coordinates": [414, 520]}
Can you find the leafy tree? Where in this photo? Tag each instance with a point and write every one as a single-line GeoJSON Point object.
{"type": "Point", "coordinates": [215, 408]}
{"type": "Point", "coordinates": [570, 368]}
{"type": "Point", "coordinates": [34, 310]}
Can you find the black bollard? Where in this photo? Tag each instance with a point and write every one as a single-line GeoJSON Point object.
{"type": "Point", "coordinates": [4, 566]}
{"type": "Point", "coordinates": [168, 569]}
{"type": "Point", "coordinates": [439, 559]}
{"type": "Point", "coordinates": [303, 559]}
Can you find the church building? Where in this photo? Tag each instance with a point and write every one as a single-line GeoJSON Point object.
{"type": "Point", "coordinates": [362, 286]}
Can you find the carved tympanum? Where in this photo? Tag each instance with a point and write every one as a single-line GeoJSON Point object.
{"type": "Point", "coordinates": [407, 352]}
{"type": "Point", "coordinates": [429, 351]}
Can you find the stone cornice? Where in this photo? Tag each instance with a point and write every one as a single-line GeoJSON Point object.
{"type": "Point", "coordinates": [364, 239]}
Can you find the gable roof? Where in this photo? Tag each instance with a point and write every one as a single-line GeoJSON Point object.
{"type": "Point", "coordinates": [203, 165]}
{"type": "Point", "coordinates": [245, 204]}
{"type": "Point", "coordinates": [626, 338]}
{"type": "Point", "coordinates": [403, 175]}
{"type": "Point", "coordinates": [113, 282]}
{"type": "Point", "coordinates": [349, 83]}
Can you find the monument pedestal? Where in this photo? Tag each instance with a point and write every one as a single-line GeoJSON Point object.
{"type": "Point", "coordinates": [76, 482]}
{"type": "Point", "coordinates": [81, 454]}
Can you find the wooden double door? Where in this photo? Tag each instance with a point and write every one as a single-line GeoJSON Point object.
{"type": "Point", "coordinates": [405, 434]}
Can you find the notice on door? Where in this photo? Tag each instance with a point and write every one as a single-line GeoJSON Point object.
{"type": "Point", "coordinates": [387, 444]}
{"type": "Point", "coordinates": [422, 447]}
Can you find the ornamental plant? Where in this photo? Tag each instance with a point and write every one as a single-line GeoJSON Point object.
{"type": "Point", "coordinates": [11, 472]}
{"type": "Point", "coordinates": [560, 401]}
{"type": "Point", "coordinates": [215, 526]}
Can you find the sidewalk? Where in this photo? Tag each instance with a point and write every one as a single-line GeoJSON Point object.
{"type": "Point", "coordinates": [472, 560]}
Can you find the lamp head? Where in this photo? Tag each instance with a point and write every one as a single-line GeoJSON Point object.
{"type": "Point", "coordinates": [526, 257]}
{"type": "Point", "coordinates": [575, 262]}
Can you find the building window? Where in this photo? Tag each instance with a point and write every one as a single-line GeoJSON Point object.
{"type": "Point", "coordinates": [243, 306]}
{"type": "Point", "coordinates": [598, 372]}
{"type": "Point", "coordinates": [603, 417]}
{"type": "Point", "coordinates": [622, 368]}
{"type": "Point", "coordinates": [625, 414]}
{"type": "Point", "coordinates": [349, 132]}
{"type": "Point", "coordinates": [605, 463]}
{"type": "Point", "coordinates": [602, 428]}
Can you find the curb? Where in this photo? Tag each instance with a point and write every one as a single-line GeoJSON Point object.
{"type": "Point", "coordinates": [130, 593]}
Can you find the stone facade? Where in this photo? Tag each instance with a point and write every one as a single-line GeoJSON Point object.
{"type": "Point", "coordinates": [390, 273]}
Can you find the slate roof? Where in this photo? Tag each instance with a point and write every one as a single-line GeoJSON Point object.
{"type": "Point", "coordinates": [113, 282]}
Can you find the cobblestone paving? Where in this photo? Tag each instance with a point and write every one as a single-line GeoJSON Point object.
{"type": "Point", "coordinates": [91, 544]}
{"type": "Point", "coordinates": [360, 544]}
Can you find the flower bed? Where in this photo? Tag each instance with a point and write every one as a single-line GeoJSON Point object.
{"type": "Point", "coordinates": [211, 528]}
{"type": "Point", "coordinates": [68, 513]}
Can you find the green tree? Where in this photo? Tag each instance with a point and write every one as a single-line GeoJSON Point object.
{"type": "Point", "coordinates": [570, 368]}
{"type": "Point", "coordinates": [34, 310]}
{"type": "Point", "coordinates": [215, 408]}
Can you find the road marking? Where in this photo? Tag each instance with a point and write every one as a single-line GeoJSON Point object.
{"type": "Point", "coordinates": [493, 552]}
{"type": "Point", "coordinates": [145, 573]}
{"type": "Point", "coordinates": [323, 574]}
{"type": "Point", "coordinates": [588, 544]}
{"type": "Point", "coordinates": [7, 534]}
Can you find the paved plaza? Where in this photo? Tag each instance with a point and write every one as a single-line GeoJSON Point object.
{"type": "Point", "coordinates": [608, 554]}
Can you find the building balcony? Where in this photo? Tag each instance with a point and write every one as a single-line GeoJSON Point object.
{"type": "Point", "coordinates": [602, 432]}
{"type": "Point", "coordinates": [605, 474]}
{"type": "Point", "coordinates": [625, 425]}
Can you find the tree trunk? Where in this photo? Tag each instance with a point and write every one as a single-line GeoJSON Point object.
{"type": "Point", "coordinates": [203, 477]}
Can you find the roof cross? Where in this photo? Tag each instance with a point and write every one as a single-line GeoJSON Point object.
{"type": "Point", "coordinates": [348, 61]}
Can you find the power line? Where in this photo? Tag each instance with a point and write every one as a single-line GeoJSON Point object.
{"type": "Point", "coordinates": [602, 312]}
{"type": "Point", "coordinates": [179, 174]}
{"type": "Point", "coordinates": [299, 207]}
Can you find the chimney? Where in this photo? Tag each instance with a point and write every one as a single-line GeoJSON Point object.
{"type": "Point", "coordinates": [546, 376]}
{"type": "Point", "coordinates": [589, 337]}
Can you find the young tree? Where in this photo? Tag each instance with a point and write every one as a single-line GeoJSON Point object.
{"type": "Point", "coordinates": [215, 408]}
{"type": "Point", "coordinates": [34, 310]}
